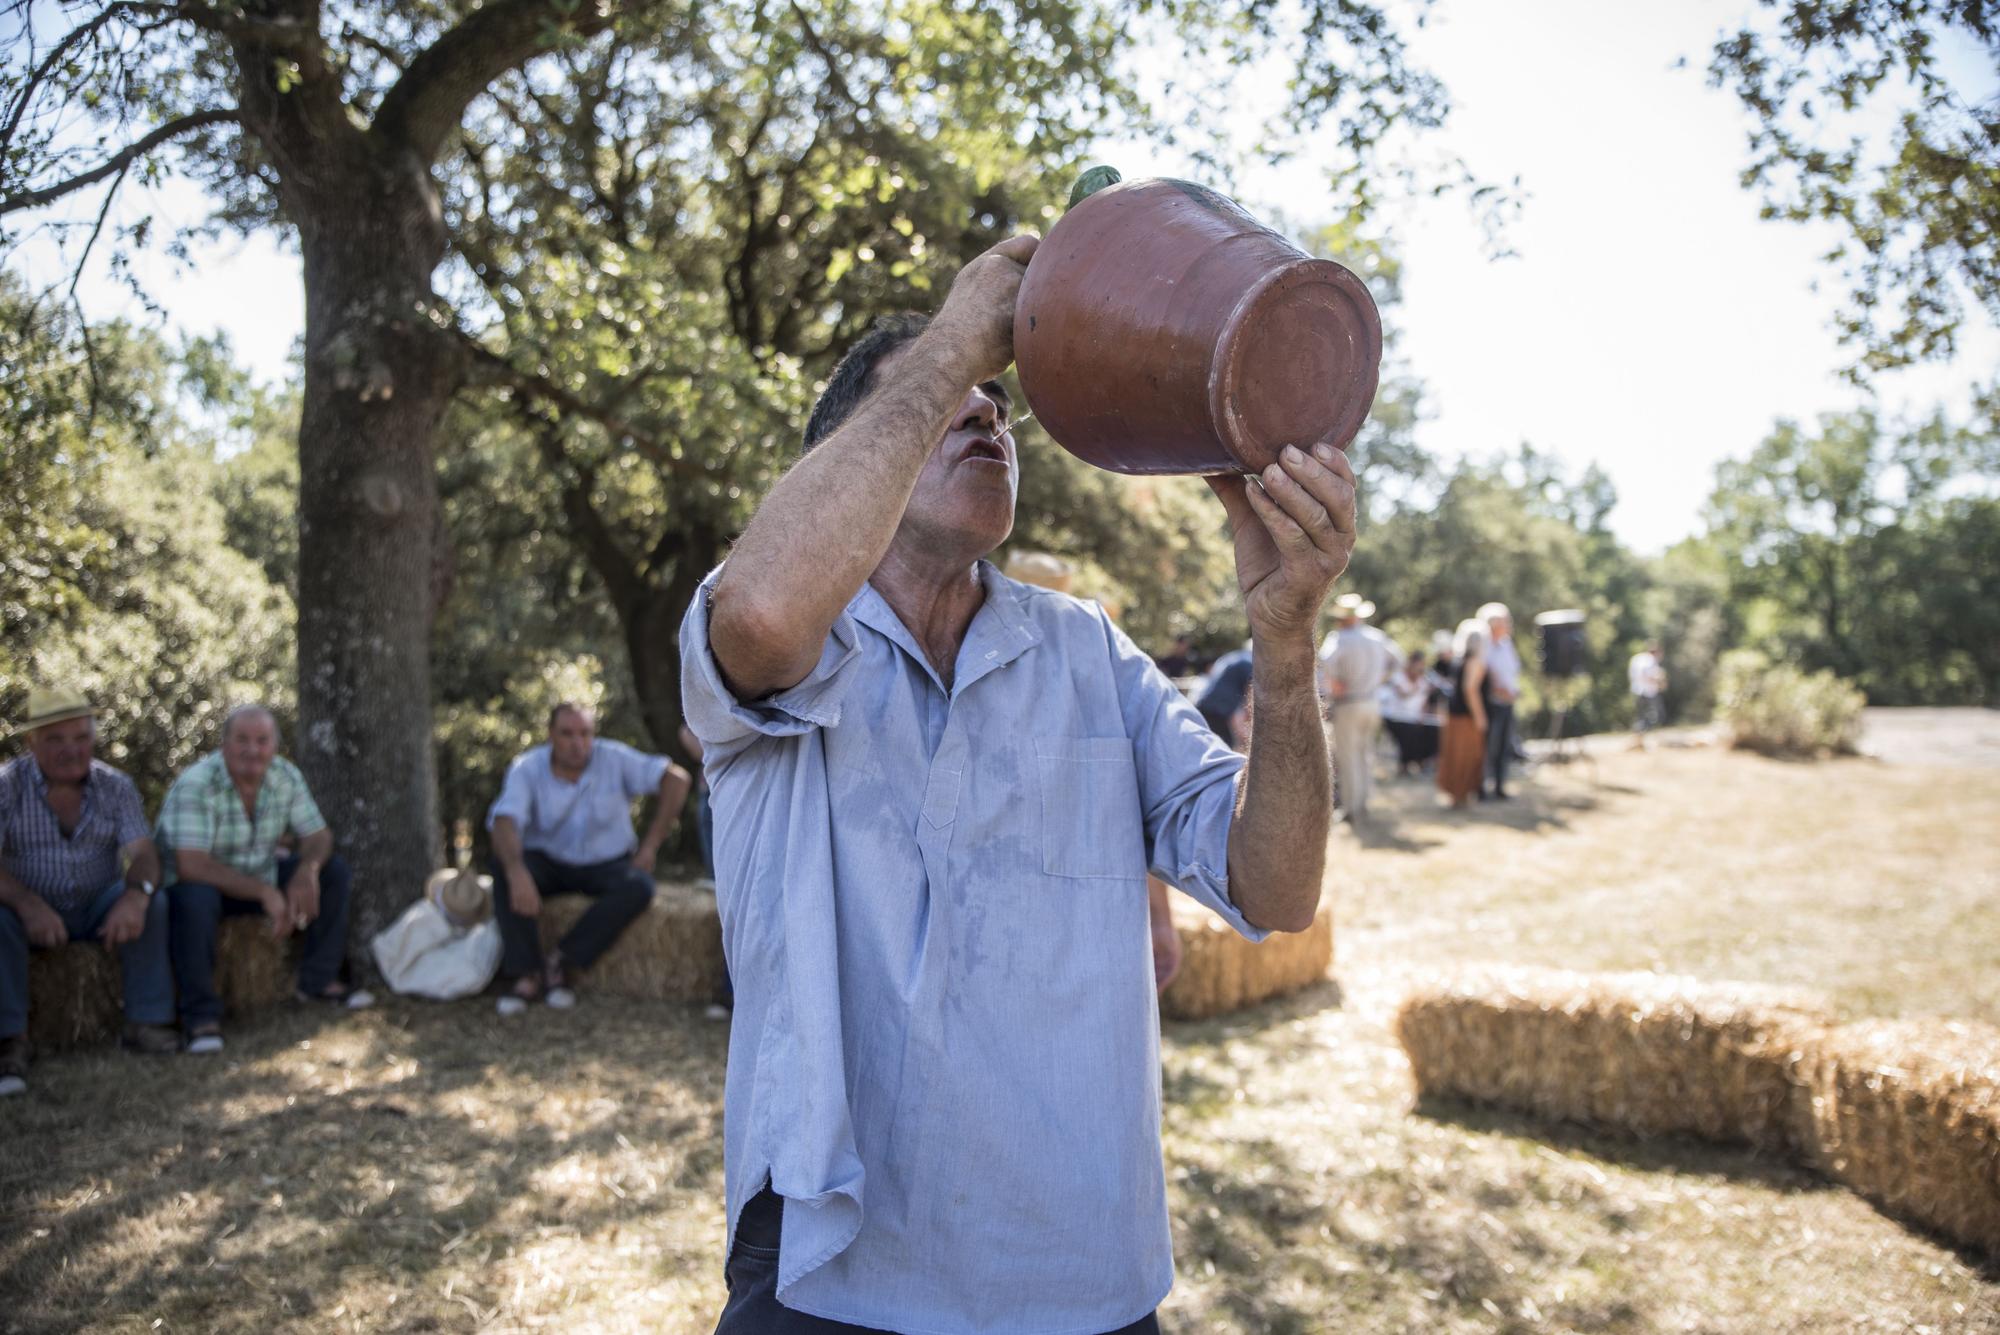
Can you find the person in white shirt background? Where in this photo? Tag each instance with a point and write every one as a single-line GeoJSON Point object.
{"type": "Point", "coordinates": [1503, 671]}
{"type": "Point", "coordinates": [1353, 663]}
{"type": "Point", "coordinates": [1648, 675]}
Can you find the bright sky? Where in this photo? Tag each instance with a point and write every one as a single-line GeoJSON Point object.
{"type": "Point", "coordinates": [1649, 321]}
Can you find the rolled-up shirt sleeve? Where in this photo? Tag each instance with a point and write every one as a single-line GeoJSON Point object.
{"type": "Point", "coordinates": [304, 817]}
{"type": "Point", "coordinates": [727, 725]}
{"type": "Point", "coordinates": [640, 773]}
{"type": "Point", "coordinates": [129, 814]}
{"type": "Point", "coordinates": [1187, 782]}
{"type": "Point", "coordinates": [517, 797]}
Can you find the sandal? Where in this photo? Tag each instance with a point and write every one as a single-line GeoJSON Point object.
{"type": "Point", "coordinates": [527, 990]}
{"type": "Point", "coordinates": [346, 998]}
{"type": "Point", "coordinates": [556, 993]}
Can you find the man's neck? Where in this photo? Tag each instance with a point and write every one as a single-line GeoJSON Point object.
{"type": "Point", "coordinates": [246, 788]}
{"type": "Point", "coordinates": [62, 785]}
{"type": "Point", "coordinates": [935, 598]}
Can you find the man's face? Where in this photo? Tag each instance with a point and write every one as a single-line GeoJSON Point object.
{"type": "Point", "coordinates": [62, 750]}
{"type": "Point", "coordinates": [964, 496]}
{"type": "Point", "coordinates": [248, 746]}
{"type": "Point", "coordinates": [570, 738]}
{"type": "Point", "coordinates": [1502, 628]}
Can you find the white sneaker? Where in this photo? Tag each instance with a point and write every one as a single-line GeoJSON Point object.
{"type": "Point", "coordinates": [716, 1011]}
{"type": "Point", "coordinates": [511, 1004]}
{"type": "Point", "coordinates": [360, 999]}
{"type": "Point", "coordinates": [205, 1046]}
{"type": "Point", "coordinates": [11, 1085]}
{"type": "Point", "coordinates": [560, 999]}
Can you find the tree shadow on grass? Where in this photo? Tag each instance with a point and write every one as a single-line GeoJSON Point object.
{"type": "Point", "coordinates": [1684, 1156]}
{"type": "Point", "coordinates": [1275, 1246]}
{"type": "Point", "coordinates": [243, 1195]}
{"type": "Point", "coordinates": [1650, 1154]}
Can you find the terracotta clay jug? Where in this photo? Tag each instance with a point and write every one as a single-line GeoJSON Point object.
{"type": "Point", "coordinates": [1161, 329]}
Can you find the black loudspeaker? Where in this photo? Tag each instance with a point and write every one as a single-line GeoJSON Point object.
{"type": "Point", "coordinates": [1563, 648]}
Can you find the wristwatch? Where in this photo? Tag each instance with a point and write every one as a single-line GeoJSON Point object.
{"type": "Point", "coordinates": [147, 887]}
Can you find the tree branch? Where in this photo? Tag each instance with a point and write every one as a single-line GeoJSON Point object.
{"type": "Point", "coordinates": [28, 199]}
{"type": "Point", "coordinates": [504, 372]}
{"type": "Point", "coordinates": [427, 103]}
{"type": "Point", "coordinates": [82, 32]}
{"type": "Point", "coordinates": [613, 563]}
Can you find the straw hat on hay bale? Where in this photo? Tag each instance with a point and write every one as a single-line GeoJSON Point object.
{"type": "Point", "coordinates": [671, 952]}
{"type": "Point", "coordinates": [461, 894]}
{"type": "Point", "coordinates": [1222, 972]}
{"type": "Point", "coordinates": [1907, 1112]}
{"type": "Point", "coordinates": [1647, 1054]}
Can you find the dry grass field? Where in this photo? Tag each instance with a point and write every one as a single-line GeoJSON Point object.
{"type": "Point", "coordinates": [427, 1168]}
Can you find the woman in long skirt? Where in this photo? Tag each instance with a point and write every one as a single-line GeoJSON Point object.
{"type": "Point", "coordinates": [1462, 753]}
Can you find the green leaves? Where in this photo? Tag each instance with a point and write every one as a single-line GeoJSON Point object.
{"type": "Point", "coordinates": [1914, 206]}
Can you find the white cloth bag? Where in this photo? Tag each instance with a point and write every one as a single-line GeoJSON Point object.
{"type": "Point", "coordinates": [422, 954]}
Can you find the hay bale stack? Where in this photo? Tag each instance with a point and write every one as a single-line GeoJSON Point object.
{"type": "Point", "coordinates": [1646, 1054]}
{"type": "Point", "coordinates": [252, 970]}
{"type": "Point", "coordinates": [1907, 1112]}
{"type": "Point", "coordinates": [671, 952]}
{"type": "Point", "coordinates": [1222, 972]}
{"type": "Point", "coordinates": [74, 996]}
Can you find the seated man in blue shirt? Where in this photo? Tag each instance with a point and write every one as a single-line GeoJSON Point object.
{"type": "Point", "coordinates": [562, 825]}
{"type": "Point", "coordinates": [937, 795]}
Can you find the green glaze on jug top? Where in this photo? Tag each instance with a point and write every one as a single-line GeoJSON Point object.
{"type": "Point", "coordinates": [1091, 182]}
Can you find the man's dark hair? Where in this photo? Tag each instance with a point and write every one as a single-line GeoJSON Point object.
{"type": "Point", "coordinates": [566, 707]}
{"type": "Point", "coordinates": [854, 377]}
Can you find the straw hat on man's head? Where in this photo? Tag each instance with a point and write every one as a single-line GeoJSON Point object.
{"type": "Point", "coordinates": [465, 896]}
{"type": "Point", "coordinates": [53, 704]}
{"type": "Point", "coordinates": [1353, 605]}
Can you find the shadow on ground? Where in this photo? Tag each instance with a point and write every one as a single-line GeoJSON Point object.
{"type": "Point", "coordinates": [425, 1130]}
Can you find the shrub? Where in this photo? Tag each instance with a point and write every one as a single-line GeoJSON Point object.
{"type": "Point", "coordinates": [1779, 710]}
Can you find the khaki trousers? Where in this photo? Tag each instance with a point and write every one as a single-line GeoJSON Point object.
{"type": "Point", "coordinates": [1352, 736]}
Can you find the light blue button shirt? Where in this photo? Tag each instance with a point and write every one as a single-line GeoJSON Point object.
{"type": "Point", "coordinates": [945, 1054]}
{"type": "Point", "coordinates": [583, 822]}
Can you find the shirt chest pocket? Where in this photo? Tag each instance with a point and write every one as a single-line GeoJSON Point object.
{"type": "Point", "coordinates": [1092, 824]}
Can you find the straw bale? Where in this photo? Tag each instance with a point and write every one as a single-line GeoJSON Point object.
{"type": "Point", "coordinates": [252, 970]}
{"type": "Point", "coordinates": [74, 996]}
{"type": "Point", "coordinates": [1646, 1054]}
{"type": "Point", "coordinates": [1907, 1112]}
{"type": "Point", "coordinates": [1222, 972]}
{"type": "Point", "coordinates": [671, 952]}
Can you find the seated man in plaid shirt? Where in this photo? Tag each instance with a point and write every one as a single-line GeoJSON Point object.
{"type": "Point", "coordinates": [76, 864]}
{"type": "Point", "coordinates": [218, 837]}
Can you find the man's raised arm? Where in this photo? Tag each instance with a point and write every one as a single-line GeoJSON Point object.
{"type": "Point", "coordinates": [1293, 528]}
{"type": "Point", "coordinates": [826, 525]}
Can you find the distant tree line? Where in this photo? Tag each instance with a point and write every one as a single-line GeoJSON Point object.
{"type": "Point", "coordinates": [152, 554]}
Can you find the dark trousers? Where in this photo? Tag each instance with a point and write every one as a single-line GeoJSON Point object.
{"type": "Point", "coordinates": [194, 911]}
{"type": "Point", "coordinates": [1499, 743]}
{"type": "Point", "coordinates": [752, 1275]}
{"type": "Point", "coordinates": [621, 890]}
{"type": "Point", "coordinates": [149, 987]}
{"type": "Point", "coordinates": [1415, 742]}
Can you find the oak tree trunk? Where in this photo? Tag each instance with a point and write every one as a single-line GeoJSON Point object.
{"type": "Point", "coordinates": [377, 378]}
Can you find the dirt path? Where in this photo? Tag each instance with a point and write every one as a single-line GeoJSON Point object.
{"type": "Point", "coordinates": [1949, 738]}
